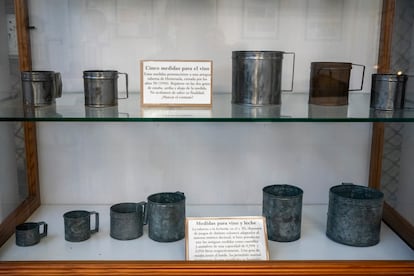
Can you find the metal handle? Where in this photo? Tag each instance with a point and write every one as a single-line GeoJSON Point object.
{"type": "Point", "coordinates": [363, 76]}
{"type": "Point", "coordinates": [293, 70]}
{"type": "Point", "coordinates": [145, 220]}
{"type": "Point", "coordinates": [143, 205]}
{"type": "Point", "coordinates": [44, 233]}
{"type": "Point", "coordinates": [57, 85]}
{"type": "Point", "coordinates": [96, 229]}
{"type": "Point", "coordinates": [126, 84]}
{"type": "Point", "coordinates": [330, 69]}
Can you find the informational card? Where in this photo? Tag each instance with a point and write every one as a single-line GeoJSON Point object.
{"type": "Point", "coordinates": [226, 238]}
{"type": "Point", "coordinates": [176, 83]}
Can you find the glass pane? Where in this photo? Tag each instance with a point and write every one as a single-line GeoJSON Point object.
{"type": "Point", "coordinates": [397, 172]}
{"type": "Point", "coordinates": [13, 183]}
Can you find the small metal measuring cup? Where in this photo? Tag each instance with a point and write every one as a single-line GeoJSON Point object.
{"type": "Point", "coordinates": [388, 91]}
{"type": "Point", "coordinates": [101, 87]}
{"type": "Point", "coordinates": [41, 88]}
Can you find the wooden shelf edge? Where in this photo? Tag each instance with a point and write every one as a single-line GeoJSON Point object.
{"type": "Point", "coordinates": [208, 268]}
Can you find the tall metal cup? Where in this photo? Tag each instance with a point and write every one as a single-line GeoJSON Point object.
{"type": "Point", "coordinates": [257, 77]}
{"type": "Point", "coordinates": [166, 216]}
{"type": "Point", "coordinates": [282, 208]}
{"type": "Point", "coordinates": [101, 87]}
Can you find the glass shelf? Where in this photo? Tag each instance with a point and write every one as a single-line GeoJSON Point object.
{"type": "Point", "coordinates": [294, 108]}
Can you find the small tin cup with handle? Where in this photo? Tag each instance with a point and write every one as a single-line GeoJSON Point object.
{"type": "Point", "coordinates": [166, 216]}
{"type": "Point", "coordinates": [388, 91]}
{"type": "Point", "coordinates": [41, 88]}
{"type": "Point", "coordinates": [101, 87]}
{"type": "Point", "coordinates": [28, 233]}
{"type": "Point", "coordinates": [78, 225]}
{"type": "Point", "coordinates": [127, 220]}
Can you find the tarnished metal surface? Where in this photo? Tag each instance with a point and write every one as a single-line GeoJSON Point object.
{"type": "Point", "coordinates": [354, 215]}
{"type": "Point", "coordinates": [127, 220]}
{"type": "Point", "coordinates": [166, 216]}
{"type": "Point", "coordinates": [282, 207]}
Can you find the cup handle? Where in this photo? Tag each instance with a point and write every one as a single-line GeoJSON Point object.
{"type": "Point", "coordinates": [363, 76]}
{"type": "Point", "coordinates": [293, 70]}
{"type": "Point", "coordinates": [58, 85]}
{"type": "Point", "coordinates": [44, 233]}
{"type": "Point", "coordinates": [93, 231]}
{"type": "Point", "coordinates": [145, 215]}
{"type": "Point", "coordinates": [143, 205]}
{"type": "Point", "coordinates": [126, 84]}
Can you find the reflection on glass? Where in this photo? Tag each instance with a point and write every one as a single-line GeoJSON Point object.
{"type": "Point", "coordinates": [397, 173]}
{"type": "Point", "coordinates": [13, 183]}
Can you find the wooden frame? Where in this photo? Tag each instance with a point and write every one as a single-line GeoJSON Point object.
{"type": "Point", "coordinates": [119, 268]}
{"type": "Point", "coordinates": [194, 268]}
{"type": "Point", "coordinates": [32, 202]}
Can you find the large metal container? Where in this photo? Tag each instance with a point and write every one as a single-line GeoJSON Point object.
{"type": "Point", "coordinates": [282, 208]}
{"type": "Point", "coordinates": [166, 216]}
{"type": "Point", "coordinates": [388, 91]}
{"type": "Point", "coordinates": [354, 215]}
{"type": "Point", "coordinates": [257, 77]}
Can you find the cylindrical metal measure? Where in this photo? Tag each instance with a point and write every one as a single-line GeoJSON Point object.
{"type": "Point", "coordinates": [40, 88]}
{"type": "Point", "coordinates": [256, 77]}
{"type": "Point", "coordinates": [101, 87]}
{"type": "Point", "coordinates": [282, 208]}
{"type": "Point", "coordinates": [354, 215]}
{"type": "Point", "coordinates": [388, 91]}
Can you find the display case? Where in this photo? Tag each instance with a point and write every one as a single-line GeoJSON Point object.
{"type": "Point", "coordinates": [220, 157]}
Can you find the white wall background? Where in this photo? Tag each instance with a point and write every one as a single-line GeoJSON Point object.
{"type": "Point", "coordinates": [227, 163]}
{"type": "Point", "coordinates": [76, 35]}
{"type": "Point", "coordinates": [212, 163]}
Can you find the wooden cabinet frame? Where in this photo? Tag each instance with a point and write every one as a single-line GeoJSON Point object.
{"type": "Point", "coordinates": [32, 202]}
{"type": "Point", "coordinates": [398, 223]}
